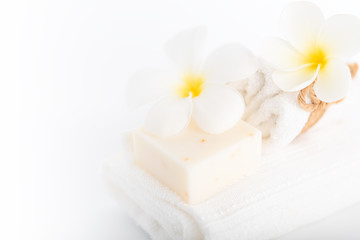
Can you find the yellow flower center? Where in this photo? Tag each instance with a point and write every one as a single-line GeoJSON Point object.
{"type": "Point", "coordinates": [192, 84]}
{"type": "Point", "coordinates": [316, 56]}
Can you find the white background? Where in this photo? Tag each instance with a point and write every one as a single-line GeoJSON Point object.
{"type": "Point", "coordinates": [63, 65]}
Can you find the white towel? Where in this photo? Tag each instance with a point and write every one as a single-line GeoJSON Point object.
{"type": "Point", "coordinates": [308, 181]}
{"type": "Point", "coordinates": [314, 177]}
{"type": "Point", "coordinates": [274, 112]}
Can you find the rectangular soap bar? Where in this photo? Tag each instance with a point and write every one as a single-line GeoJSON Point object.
{"type": "Point", "coordinates": [196, 165]}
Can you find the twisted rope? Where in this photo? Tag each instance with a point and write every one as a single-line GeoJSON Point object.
{"type": "Point", "coordinates": [316, 107]}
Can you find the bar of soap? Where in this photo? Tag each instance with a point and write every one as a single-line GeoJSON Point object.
{"type": "Point", "coordinates": [197, 165]}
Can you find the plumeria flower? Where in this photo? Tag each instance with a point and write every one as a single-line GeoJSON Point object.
{"type": "Point", "coordinates": [315, 50]}
{"type": "Point", "coordinates": [195, 90]}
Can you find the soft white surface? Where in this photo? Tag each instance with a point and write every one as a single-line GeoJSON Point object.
{"type": "Point", "coordinates": [275, 113]}
{"type": "Point", "coordinates": [321, 179]}
{"type": "Point", "coordinates": [63, 69]}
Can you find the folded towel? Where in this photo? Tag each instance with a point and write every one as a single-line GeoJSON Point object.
{"type": "Point", "coordinates": [275, 112]}
{"type": "Point", "coordinates": [313, 177]}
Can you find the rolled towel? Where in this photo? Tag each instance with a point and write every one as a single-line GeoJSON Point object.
{"type": "Point", "coordinates": [314, 177]}
{"type": "Point", "coordinates": [274, 112]}
{"type": "Point", "coordinates": [277, 114]}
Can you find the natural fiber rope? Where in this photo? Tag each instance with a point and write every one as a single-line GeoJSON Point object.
{"type": "Point", "coordinates": [316, 107]}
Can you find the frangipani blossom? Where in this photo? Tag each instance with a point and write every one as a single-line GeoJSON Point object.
{"type": "Point", "coordinates": [195, 89]}
{"type": "Point", "coordinates": [316, 50]}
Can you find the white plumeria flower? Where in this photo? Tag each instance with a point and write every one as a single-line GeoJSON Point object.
{"type": "Point", "coordinates": [195, 90]}
{"type": "Point", "coordinates": [316, 50]}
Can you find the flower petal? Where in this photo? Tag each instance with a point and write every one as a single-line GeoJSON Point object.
{"type": "Point", "coordinates": [168, 117]}
{"type": "Point", "coordinates": [341, 35]}
{"type": "Point", "coordinates": [292, 81]}
{"type": "Point", "coordinates": [333, 81]}
{"type": "Point", "coordinates": [147, 85]}
{"type": "Point", "coordinates": [281, 54]}
{"type": "Point", "coordinates": [185, 50]}
{"type": "Point", "coordinates": [230, 62]}
{"type": "Point", "coordinates": [218, 108]}
{"type": "Point", "coordinates": [300, 23]}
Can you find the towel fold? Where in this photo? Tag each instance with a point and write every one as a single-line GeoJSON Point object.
{"type": "Point", "coordinates": [315, 176]}
{"type": "Point", "coordinates": [274, 112]}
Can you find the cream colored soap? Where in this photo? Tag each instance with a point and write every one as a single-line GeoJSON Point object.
{"type": "Point", "coordinates": [196, 165]}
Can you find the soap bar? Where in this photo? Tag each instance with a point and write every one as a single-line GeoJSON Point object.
{"type": "Point", "coordinates": [197, 165]}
